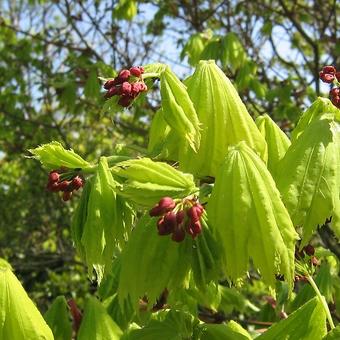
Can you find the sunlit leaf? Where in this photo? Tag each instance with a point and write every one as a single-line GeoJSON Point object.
{"type": "Point", "coordinates": [246, 211]}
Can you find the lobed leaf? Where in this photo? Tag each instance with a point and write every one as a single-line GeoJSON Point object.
{"type": "Point", "coordinates": [277, 141]}
{"type": "Point", "coordinates": [224, 118]}
{"type": "Point", "coordinates": [145, 182]}
{"type": "Point", "coordinates": [246, 212]}
{"type": "Point", "coordinates": [19, 317]}
{"type": "Point", "coordinates": [306, 323]}
{"type": "Point", "coordinates": [151, 263]}
{"type": "Point", "coordinates": [53, 156]}
{"type": "Point", "coordinates": [309, 176]}
{"type": "Point", "coordinates": [58, 318]}
{"type": "Point", "coordinates": [97, 324]}
{"type": "Point", "coordinates": [178, 109]}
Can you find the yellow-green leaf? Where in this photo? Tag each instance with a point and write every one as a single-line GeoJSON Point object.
{"type": "Point", "coordinates": [224, 118]}
{"type": "Point", "coordinates": [19, 317]}
{"type": "Point", "coordinates": [277, 141]}
{"type": "Point", "coordinates": [53, 155]}
{"type": "Point", "coordinates": [246, 211]}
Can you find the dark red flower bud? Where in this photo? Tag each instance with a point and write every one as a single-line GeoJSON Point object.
{"type": "Point", "coordinates": [178, 235]}
{"type": "Point", "coordinates": [334, 92]}
{"type": "Point", "coordinates": [327, 77]}
{"type": "Point", "coordinates": [309, 250]}
{"type": "Point", "coordinates": [54, 187]}
{"type": "Point", "coordinates": [283, 315]}
{"type": "Point", "coordinates": [53, 176]}
{"type": "Point", "coordinates": [336, 101]}
{"type": "Point", "coordinates": [337, 76]}
{"type": "Point", "coordinates": [164, 205]}
{"type": "Point", "coordinates": [67, 195]}
{"type": "Point", "coordinates": [65, 186]}
{"type": "Point", "coordinates": [126, 88]}
{"type": "Point", "coordinates": [143, 87]}
{"type": "Point", "coordinates": [141, 69]}
{"type": "Point", "coordinates": [194, 213]}
{"type": "Point", "coordinates": [170, 221]}
{"type": "Point", "coordinates": [109, 83]}
{"type": "Point", "coordinates": [77, 183]}
{"type": "Point", "coordinates": [180, 216]}
{"type": "Point", "coordinates": [156, 211]}
{"type": "Point", "coordinates": [194, 228]}
{"type": "Point", "coordinates": [125, 101]}
{"type": "Point", "coordinates": [124, 75]}
{"type": "Point", "coordinates": [162, 228]}
{"type": "Point", "coordinates": [113, 91]}
{"type": "Point", "coordinates": [329, 69]}
{"type": "Point", "coordinates": [167, 203]}
{"type": "Point", "coordinates": [135, 71]}
{"type": "Point", "coordinates": [135, 88]}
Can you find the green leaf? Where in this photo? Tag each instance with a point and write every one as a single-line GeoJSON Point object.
{"type": "Point", "coordinates": [193, 48]}
{"type": "Point", "coordinates": [277, 141]}
{"type": "Point", "coordinates": [177, 325]}
{"type": "Point", "coordinates": [232, 52]}
{"type": "Point", "coordinates": [318, 108]}
{"type": "Point", "coordinates": [58, 318]}
{"type": "Point", "coordinates": [19, 317]}
{"type": "Point", "coordinates": [54, 156]}
{"type": "Point", "coordinates": [246, 211]}
{"type": "Point", "coordinates": [145, 182]}
{"type": "Point", "coordinates": [97, 324]}
{"type": "Point", "coordinates": [308, 176]}
{"type": "Point", "coordinates": [125, 10]}
{"type": "Point", "coordinates": [224, 118]}
{"type": "Point", "coordinates": [334, 334]}
{"type": "Point", "coordinates": [151, 263]}
{"type": "Point", "coordinates": [306, 323]}
{"type": "Point", "coordinates": [107, 222]}
{"type": "Point", "coordinates": [206, 257]}
{"type": "Point", "coordinates": [229, 331]}
{"type": "Point", "coordinates": [178, 109]}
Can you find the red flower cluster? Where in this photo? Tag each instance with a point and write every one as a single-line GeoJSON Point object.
{"type": "Point", "coordinates": [178, 219]}
{"type": "Point", "coordinates": [328, 75]}
{"type": "Point", "coordinates": [59, 181]}
{"type": "Point", "coordinates": [128, 84]}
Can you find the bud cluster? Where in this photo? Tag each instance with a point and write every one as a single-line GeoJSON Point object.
{"type": "Point", "coordinates": [128, 85]}
{"type": "Point", "coordinates": [178, 218]}
{"type": "Point", "coordinates": [328, 75]}
{"type": "Point", "coordinates": [60, 181]}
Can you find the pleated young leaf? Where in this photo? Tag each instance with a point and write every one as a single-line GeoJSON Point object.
{"type": "Point", "coordinates": [151, 263]}
{"type": "Point", "coordinates": [53, 155]}
{"type": "Point", "coordinates": [225, 121]}
{"type": "Point", "coordinates": [163, 141]}
{"type": "Point", "coordinates": [97, 324]}
{"type": "Point", "coordinates": [206, 257]}
{"type": "Point", "coordinates": [246, 211]}
{"type": "Point", "coordinates": [107, 221]}
{"type": "Point", "coordinates": [306, 323]}
{"type": "Point", "coordinates": [277, 141]}
{"type": "Point", "coordinates": [318, 108]}
{"type": "Point", "coordinates": [58, 318]}
{"type": "Point", "coordinates": [19, 317]}
{"type": "Point", "coordinates": [145, 182]}
{"type": "Point", "coordinates": [178, 109]}
{"type": "Point", "coordinates": [309, 176]}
